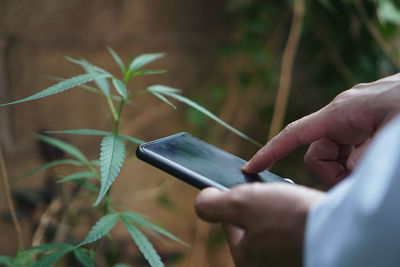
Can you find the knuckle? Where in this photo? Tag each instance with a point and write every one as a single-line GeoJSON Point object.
{"type": "Point", "coordinates": [238, 197]}
{"type": "Point", "coordinates": [288, 128]}
{"type": "Point", "coordinates": [241, 195]}
{"type": "Point", "coordinates": [344, 95]}
{"type": "Point", "coordinates": [359, 86]}
{"type": "Point", "coordinates": [342, 99]}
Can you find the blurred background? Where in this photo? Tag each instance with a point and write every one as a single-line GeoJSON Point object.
{"type": "Point", "coordinates": [224, 54]}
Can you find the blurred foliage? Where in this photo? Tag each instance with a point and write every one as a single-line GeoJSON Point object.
{"type": "Point", "coordinates": [332, 28]}
{"type": "Point", "coordinates": [338, 49]}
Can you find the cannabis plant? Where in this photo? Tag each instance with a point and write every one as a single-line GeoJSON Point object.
{"type": "Point", "coordinates": [112, 156]}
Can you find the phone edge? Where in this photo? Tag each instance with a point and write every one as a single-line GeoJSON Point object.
{"type": "Point", "coordinates": [179, 172]}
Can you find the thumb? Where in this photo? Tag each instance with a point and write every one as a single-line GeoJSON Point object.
{"type": "Point", "coordinates": [214, 205]}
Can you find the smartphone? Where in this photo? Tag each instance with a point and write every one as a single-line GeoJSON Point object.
{"type": "Point", "coordinates": [199, 163]}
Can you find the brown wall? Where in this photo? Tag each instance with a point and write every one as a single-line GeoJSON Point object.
{"type": "Point", "coordinates": [34, 38]}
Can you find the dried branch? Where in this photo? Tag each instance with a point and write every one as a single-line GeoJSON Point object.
{"type": "Point", "coordinates": [10, 205]}
{"type": "Point", "coordinates": [45, 220]}
{"type": "Point", "coordinates": [287, 68]}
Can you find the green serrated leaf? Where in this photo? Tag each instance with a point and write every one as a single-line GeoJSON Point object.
{"type": "Point", "coordinates": [51, 258]}
{"type": "Point", "coordinates": [120, 87]}
{"type": "Point", "coordinates": [101, 228]}
{"type": "Point", "coordinates": [78, 176]}
{"type": "Point", "coordinates": [131, 139]}
{"type": "Point", "coordinates": [64, 146]}
{"type": "Point", "coordinates": [141, 221]}
{"type": "Point", "coordinates": [164, 99]}
{"type": "Point", "coordinates": [97, 132]}
{"type": "Point", "coordinates": [83, 257]}
{"type": "Point", "coordinates": [143, 60]}
{"type": "Point", "coordinates": [147, 72]}
{"type": "Point", "coordinates": [61, 87]}
{"type": "Point", "coordinates": [95, 162]}
{"type": "Point", "coordinates": [111, 158]}
{"type": "Point", "coordinates": [88, 88]}
{"type": "Point", "coordinates": [86, 185]}
{"type": "Point", "coordinates": [51, 164]}
{"type": "Point", "coordinates": [117, 59]}
{"type": "Point", "coordinates": [87, 65]}
{"type": "Point", "coordinates": [101, 82]}
{"type": "Point", "coordinates": [47, 247]}
{"type": "Point", "coordinates": [143, 244]}
{"type": "Point", "coordinates": [162, 89]}
{"type": "Point", "coordinates": [165, 90]}
{"type": "Point", "coordinates": [81, 132]}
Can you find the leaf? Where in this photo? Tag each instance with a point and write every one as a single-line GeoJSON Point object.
{"type": "Point", "coordinates": [143, 60]}
{"type": "Point", "coordinates": [88, 88]}
{"type": "Point", "coordinates": [83, 257]}
{"type": "Point", "coordinates": [23, 258]}
{"type": "Point", "coordinates": [162, 89]}
{"type": "Point", "coordinates": [171, 92]}
{"type": "Point", "coordinates": [51, 258]}
{"type": "Point", "coordinates": [137, 218]}
{"type": "Point", "coordinates": [111, 158]}
{"type": "Point", "coordinates": [143, 244]}
{"type": "Point", "coordinates": [147, 72]}
{"type": "Point", "coordinates": [64, 146]}
{"type": "Point", "coordinates": [87, 65]}
{"type": "Point", "coordinates": [51, 164]}
{"type": "Point", "coordinates": [95, 162]}
{"type": "Point", "coordinates": [86, 185]}
{"type": "Point", "coordinates": [164, 99]}
{"type": "Point", "coordinates": [81, 132]}
{"type": "Point", "coordinates": [388, 12]}
{"type": "Point", "coordinates": [120, 87]}
{"type": "Point", "coordinates": [101, 82]}
{"type": "Point", "coordinates": [47, 247]}
{"type": "Point", "coordinates": [78, 176]}
{"type": "Point", "coordinates": [97, 132]}
{"type": "Point", "coordinates": [61, 87]}
{"type": "Point", "coordinates": [101, 228]}
{"type": "Point", "coordinates": [131, 139]}
{"type": "Point", "coordinates": [117, 59]}
{"type": "Point", "coordinates": [5, 260]}
{"type": "Point", "coordinates": [121, 265]}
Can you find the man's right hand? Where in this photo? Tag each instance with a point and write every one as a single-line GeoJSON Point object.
{"type": "Point", "coordinates": [338, 133]}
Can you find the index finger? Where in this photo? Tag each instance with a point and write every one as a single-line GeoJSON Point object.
{"type": "Point", "coordinates": [298, 133]}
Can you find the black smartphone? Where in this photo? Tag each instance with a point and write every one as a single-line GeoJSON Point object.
{"type": "Point", "coordinates": [199, 163]}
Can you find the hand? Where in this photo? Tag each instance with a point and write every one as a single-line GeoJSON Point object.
{"type": "Point", "coordinates": [338, 133]}
{"type": "Point", "coordinates": [264, 223]}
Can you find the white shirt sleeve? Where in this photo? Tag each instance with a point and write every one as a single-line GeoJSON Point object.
{"type": "Point", "coordinates": [358, 223]}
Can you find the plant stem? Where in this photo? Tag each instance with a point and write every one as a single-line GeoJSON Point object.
{"type": "Point", "coordinates": [117, 121]}
{"type": "Point", "coordinates": [112, 108]}
{"type": "Point", "coordinates": [106, 208]}
{"type": "Point", "coordinates": [287, 68]}
{"type": "Point", "coordinates": [137, 93]}
{"type": "Point", "coordinates": [10, 205]}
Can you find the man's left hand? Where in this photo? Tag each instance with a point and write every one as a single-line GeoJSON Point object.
{"type": "Point", "coordinates": [264, 223]}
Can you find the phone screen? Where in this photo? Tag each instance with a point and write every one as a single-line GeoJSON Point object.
{"type": "Point", "coordinates": [190, 153]}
